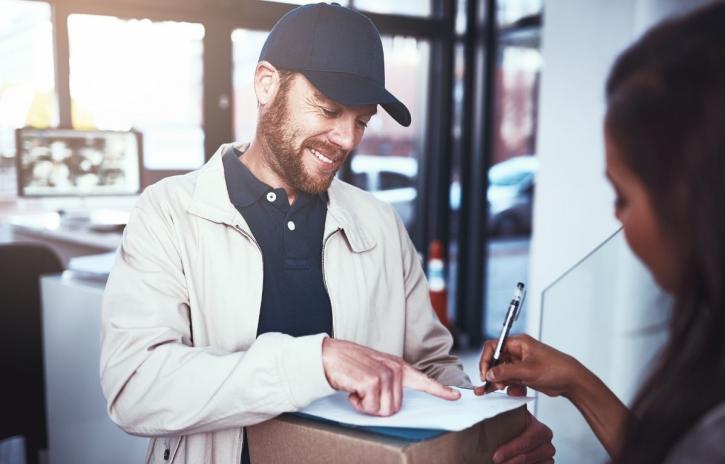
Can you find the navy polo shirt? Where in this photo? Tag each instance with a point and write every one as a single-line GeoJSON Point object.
{"type": "Point", "coordinates": [294, 298]}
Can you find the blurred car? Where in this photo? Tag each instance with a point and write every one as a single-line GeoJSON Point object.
{"type": "Point", "coordinates": [510, 195]}
{"type": "Point", "coordinates": [391, 179]}
{"type": "Point", "coordinates": [510, 189]}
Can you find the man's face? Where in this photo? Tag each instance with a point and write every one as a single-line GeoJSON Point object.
{"type": "Point", "coordinates": [308, 135]}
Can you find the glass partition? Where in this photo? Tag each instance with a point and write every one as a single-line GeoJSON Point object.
{"type": "Point", "coordinates": [607, 312]}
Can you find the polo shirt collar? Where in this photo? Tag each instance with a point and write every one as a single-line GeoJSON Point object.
{"type": "Point", "coordinates": [244, 189]}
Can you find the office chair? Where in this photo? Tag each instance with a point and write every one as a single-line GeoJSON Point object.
{"type": "Point", "coordinates": [22, 384]}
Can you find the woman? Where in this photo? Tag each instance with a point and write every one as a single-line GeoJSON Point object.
{"type": "Point", "coordinates": [665, 145]}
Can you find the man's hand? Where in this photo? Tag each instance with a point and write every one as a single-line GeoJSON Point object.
{"type": "Point", "coordinates": [532, 446]}
{"type": "Point", "coordinates": [375, 380]}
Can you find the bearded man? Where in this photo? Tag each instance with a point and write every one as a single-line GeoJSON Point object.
{"type": "Point", "coordinates": [260, 282]}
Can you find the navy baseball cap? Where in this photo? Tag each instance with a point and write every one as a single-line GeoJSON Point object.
{"type": "Point", "coordinates": [339, 51]}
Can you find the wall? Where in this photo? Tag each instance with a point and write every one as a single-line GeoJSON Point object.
{"type": "Point", "coordinates": [573, 210]}
{"type": "Point", "coordinates": [573, 205]}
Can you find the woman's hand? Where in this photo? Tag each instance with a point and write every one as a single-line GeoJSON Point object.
{"type": "Point", "coordinates": [528, 362]}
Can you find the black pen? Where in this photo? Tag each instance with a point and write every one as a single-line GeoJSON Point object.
{"type": "Point", "coordinates": [511, 315]}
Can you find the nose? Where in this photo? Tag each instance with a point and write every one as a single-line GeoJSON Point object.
{"type": "Point", "coordinates": [345, 134]}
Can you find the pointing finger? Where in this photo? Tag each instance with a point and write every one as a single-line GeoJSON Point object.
{"type": "Point", "coordinates": [419, 381]}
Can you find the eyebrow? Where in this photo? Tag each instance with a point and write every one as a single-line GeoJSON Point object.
{"type": "Point", "coordinates": [322, 99]}
{"type": "Point", "coordinates": [614, 183]}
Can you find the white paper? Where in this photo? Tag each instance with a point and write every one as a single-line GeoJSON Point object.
{"type": "Point", "coordinates": [420, 410]}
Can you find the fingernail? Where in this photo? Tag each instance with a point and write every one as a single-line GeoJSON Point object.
{"type": "Point", "coordinates": [497, 457]}
{"type": "Point", "coordinates": [489, 375]}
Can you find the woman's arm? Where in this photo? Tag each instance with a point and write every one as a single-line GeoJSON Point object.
{"type": "Point", "coordinates": [601, 408]}
{"type": "Point", "coordinates": [543, 368]}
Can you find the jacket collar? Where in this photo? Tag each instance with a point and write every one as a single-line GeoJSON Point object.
{"type": "Point", "coordinates": [210, 201]}
{"type": "Point", "coordinates": [340, 215]}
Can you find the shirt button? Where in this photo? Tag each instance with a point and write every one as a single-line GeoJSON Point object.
{"type": "Point", "coordinates": [291, 225]}
{"type": "Point", "coordinates": [271, 196]}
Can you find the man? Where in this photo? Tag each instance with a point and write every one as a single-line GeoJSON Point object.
{"type": "Point", "coordinates": [232, 280]}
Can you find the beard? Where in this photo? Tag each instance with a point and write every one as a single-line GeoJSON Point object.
{"type": "Point", "coordinates": [285, 157]}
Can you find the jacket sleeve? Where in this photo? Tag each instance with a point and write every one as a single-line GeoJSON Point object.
{"type": "Point", "coordinates": [427, 342]}
{"type": "Point", "coordinates": [155, 381]}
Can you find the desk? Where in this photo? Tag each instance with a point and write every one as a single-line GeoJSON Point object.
{"type": "Point", "coordinates": [65, 240]}
{"type": "Point", "coordinates": [79, 429]}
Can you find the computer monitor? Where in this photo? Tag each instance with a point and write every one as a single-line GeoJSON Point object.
{"type": "Point", "coordinates": [67, 162]}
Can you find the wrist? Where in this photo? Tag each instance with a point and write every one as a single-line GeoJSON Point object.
{"type": "Point", "coordinates": [580, 382]}
{"type": "Point", "coordinates": [327, 344]}
{"type": "Point", "coordinates": [584, 386]}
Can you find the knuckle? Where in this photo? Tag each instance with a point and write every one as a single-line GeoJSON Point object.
{"type": "Point", "coordinates": [372, 382]}
{"type": "Point", "coordinates": [526, 444]}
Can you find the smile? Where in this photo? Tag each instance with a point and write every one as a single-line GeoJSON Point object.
{"type": "Point", "coordinates": [321, 157]}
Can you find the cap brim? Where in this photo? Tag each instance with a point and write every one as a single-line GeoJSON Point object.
{"type": "Point", "coordinates": [351, 90]}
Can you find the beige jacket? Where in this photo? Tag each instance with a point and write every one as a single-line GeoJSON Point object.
{"type": "Point", "coordinates": [180, 359]}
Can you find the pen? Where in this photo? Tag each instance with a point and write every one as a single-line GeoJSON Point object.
{"type": "Point", "coordinates": [511, 315]}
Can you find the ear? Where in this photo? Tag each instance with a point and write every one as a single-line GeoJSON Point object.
{"type": "Point", "coordinates": [266, 82]}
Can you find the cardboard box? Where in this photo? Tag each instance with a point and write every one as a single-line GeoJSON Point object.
{"type": "Point", "coordinates": [296, 440]}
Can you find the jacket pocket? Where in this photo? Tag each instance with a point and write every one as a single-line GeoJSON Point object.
{"type": "Point", "coordinates": [163, 450]}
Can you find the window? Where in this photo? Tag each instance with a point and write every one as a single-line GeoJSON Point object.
{"type": "Point", "coordinates": [394, 180]}
{"type": "Point", "coordinates": [510, 11]}
{"type": "Point", "coordinates": [246, 46]}
{"type": "Point", "coordinates": [398, 7]}
{"type": "Point", "coordinates": [493, 142]}
{"type": "Point", "coordinates": [388, 147]}
{"type": "Point", "coordinates": [460, 20]}
{"type": "Point", "coordinates": [140, 74]}
{"type": "Point", "coordinates": [514, 164]}
{"type": "Point", "coordinates": [306, 2]}
{"type": "Point", "coordinates": [406, 77]}
{"type": "Point", "coordinates": [401, 7]}
{"type": "Point", "coordinates": [27, 88]}
{"type": "Point", "coordinates": [456, 154]}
